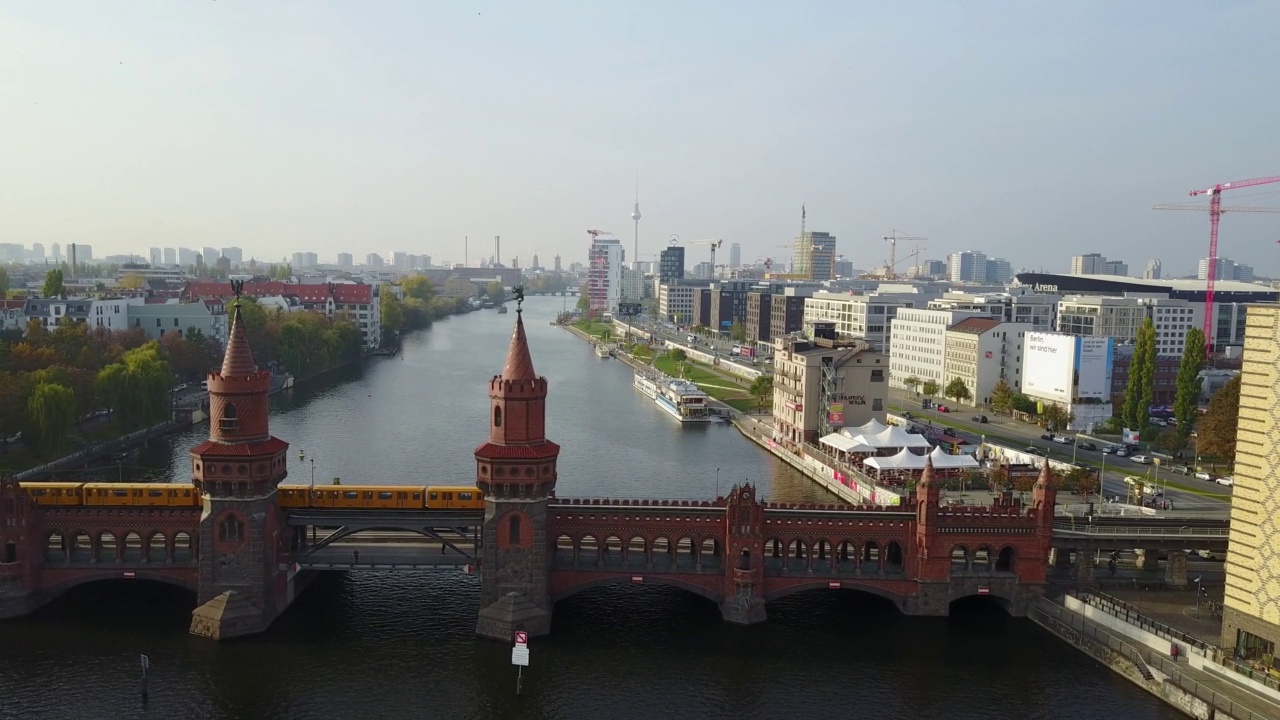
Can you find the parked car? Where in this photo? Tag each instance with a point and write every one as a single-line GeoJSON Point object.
{"type": "Point", "coordinates": [979, 419]}
{"type": "Point", "coordinates": [1122, 452]}
{"type": "Point", "coordinates": [943, 408]}
{"type": "Point", "coordinates": [1202, 475]}
{"type": "Point", "coordinates": [1062, 439]}
{"type": "Point", "coordinates": [1110, 449]}
{"type": "Point", "coordinates": [1047, 436]}
{"type": "Point", "coordinates": [908, 415]}
{"type": "Point", "coordinates": [1033, 450]}
{"type": "Point", "coordinates": [1228, 481]}
{"type": "Point", "coordinates": [1086, 446]}
{"type": "Point", "coordinates": [1141, 459]}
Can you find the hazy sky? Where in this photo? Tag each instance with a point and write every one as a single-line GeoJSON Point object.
{"type": "Point", "coordinates": [1029, 130]}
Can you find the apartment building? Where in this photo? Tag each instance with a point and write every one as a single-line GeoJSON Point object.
{"type": "Point", "coordinates": [824, 384]}
{"type": "Point", "coordinates": [982, 351]}
{"type": "Point", "coordinates": [917, 344]}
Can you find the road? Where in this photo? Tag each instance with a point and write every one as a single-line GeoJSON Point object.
{"type": "Point", "coordinates": [1185, 492]}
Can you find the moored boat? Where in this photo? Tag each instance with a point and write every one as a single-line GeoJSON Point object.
{"type": "Point", "coordinates": [646, 382]}
{"type": "Point", "coordinates": [603, 351]}
{"type": "Point", "coordinates": [683, 400]}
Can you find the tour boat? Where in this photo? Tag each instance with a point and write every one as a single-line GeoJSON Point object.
{"type": "Point", "coordinates": [683, 401]}
{"type": "Point", "coordinates": [603, 351]}
{"type": "Point", "coordinates": [646, 382]}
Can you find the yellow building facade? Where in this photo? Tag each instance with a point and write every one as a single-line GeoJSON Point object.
{"type": "Point", "coordinates": [1251, 605]}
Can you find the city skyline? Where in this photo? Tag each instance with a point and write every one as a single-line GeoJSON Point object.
{"type": "Point", "coordinates": [305, 128]}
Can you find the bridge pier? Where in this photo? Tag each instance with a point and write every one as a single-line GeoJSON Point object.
{"type": "Point", "coordinates": [1147, 559]}
{"type": "Point", "coordinates": [1175, 570]}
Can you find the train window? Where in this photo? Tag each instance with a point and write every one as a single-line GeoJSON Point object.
{"type": "Point", "coordinates": [155, 493]}
{"type": "Point", "coordinates": [417, 496]}
{"type": "Point", "coordinates": [384, 496]}
{"type": "Point", "coordinates": [351, 495]}
{"type": "Point", "coordinates": [464, 496]}
{"type": "Point", "coordinates": [186, 493]}
{"type": "Point", "coordinates": [120, 493]}
{"type": "Point", "coordinates": [38, 492]}
{"type": "Point", "coordinates": [433, 495]}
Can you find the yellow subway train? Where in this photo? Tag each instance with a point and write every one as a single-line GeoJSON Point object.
{"type": "Point", "coordinates": [408, 497]}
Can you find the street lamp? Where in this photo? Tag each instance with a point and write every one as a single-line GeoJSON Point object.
{"type": "Point", "coordinates": [717, 483]}
{"type": "Point", "coordinates": [1197, 582]}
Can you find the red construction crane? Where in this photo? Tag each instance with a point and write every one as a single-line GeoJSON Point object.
{"type": "Point", "coordinates": [1215, 214]}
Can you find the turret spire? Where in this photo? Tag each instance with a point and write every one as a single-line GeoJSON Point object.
{"type": "Point", "coordinates": [519, 364]}
{"type": "Point", "coordinates": [238, 360]}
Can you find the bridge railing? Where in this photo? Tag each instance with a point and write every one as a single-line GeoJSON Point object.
{"type": "Point", "coordinates": [1130, 531]}
{"type": "Point", "coordinates": [638, 502]}
{"type": "Point", "coordinates": [1116, 607]}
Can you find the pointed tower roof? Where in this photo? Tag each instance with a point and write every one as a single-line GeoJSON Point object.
{"type": "Point", "coordinates": [238, 361]}
{"type": "Point", "coordinates": [519, 362]}
{"type": "Point", "coordinates": [926, 475]}
{"type": "Point", "coordinates": [1046, 478]}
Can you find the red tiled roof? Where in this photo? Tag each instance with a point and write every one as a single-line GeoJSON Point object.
{"type": "Point", "coordinates": [313, 293]}
{"type": "Point", "coordinates": [12, 304]}
{"type": "Point", "coordinates": [976, 326]}
{"type": "Point", "coordinates": [519, 365]}
{"type": "Point", "coordinates": [269, 446]}
{"type": "Point", "coordinates": [490, 451]}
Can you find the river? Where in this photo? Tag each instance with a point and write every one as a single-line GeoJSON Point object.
{"type": "Point", "coordinates": [374, 645]}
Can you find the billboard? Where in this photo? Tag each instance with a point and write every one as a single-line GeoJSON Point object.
{"type": "Point", "coordinates": [1095, 357]}
{"type": "Point", "coordinates": [1048, 366]}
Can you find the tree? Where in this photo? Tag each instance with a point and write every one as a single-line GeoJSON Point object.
{"type": "Point", "coordinates": [678, 355]}
{"type": "Point", "coordinates": [1002, 397]}
{"type": "Point", "coordinates": [957, 390]}
{"type": "Point", "coordinates": [53, 285]}
{"type": "Point", "coordinates": [137, 387]}
{"type": "Point", "coordinates": [1187, 394]}
{"type": "Point", "coordinates": [762, 389]}
{"type": "Point", "coordinates": [1057, 417]}
{"type": "Point", "coordinates": [1171, 441]}
{"type": "Point", "coordinates": [1216, 432]}
{"type": "Point", "coordinates": [930, 388]}
{"type": "Point", "coordinates": [53, 410]}
{"type": "Point", "coordinates": [913, 382]}
{"type": "Point", "coordinates": [495, 291]}
{"type": "Point", "coordinates": [391, 312]}
{"type": "Point", "coordinates": [132, 281]}
{"type": "Point", "coordinates": [1142, 378]}
{"type": "Point", "coordinates": [419, 287]}
{"type": "Point", "coordinates": [737, 331]}
{"type": "Point", "coordinates": [584, 302]}
{"type": "Point", "coordinates": [4, 283]}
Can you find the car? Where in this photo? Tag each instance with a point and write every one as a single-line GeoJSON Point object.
{"type": "Point", "coordinates": [1204, 554]}
{"type": "Point", "coordinates": [1122, 452]}
{"type": "Point", "coordinates": [980, 419]}
{"type": "Point", "coordinates": [1141, 459]}
{"type": "Point", "coordinates": [1203, 476]}
{"type": "Point", "coordinates": [1062, 439]}
{"type": "Point", "coordinates": [949, 432]}
{"type": "Point", "coordinates": [1228, 481]}
{"type": "Point", "coordinates": [1086, 446]}
{"type": "Point", "coordinates": [944, 408]}
{"type": "Point", "coordinates": [908, 415]}
{"type": "Point", "coordinates": [1109, 449]}
{"type": "Point", "coordinates": [1047, 436]}
{"type": "Point", "coordinates": [1033, 450]}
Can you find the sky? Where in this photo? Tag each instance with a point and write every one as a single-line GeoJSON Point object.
{"type": "Point", "coordinates": [1032, 131]}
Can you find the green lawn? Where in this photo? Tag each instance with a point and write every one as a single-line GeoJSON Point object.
{"type": "Point", "coordinates": [721, 387]}
{"type": "Point", "coordinates": [597, 330]}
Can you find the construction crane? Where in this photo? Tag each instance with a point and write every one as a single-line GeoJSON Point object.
{"type": "Point", "coordinates": [893, 238]}
{"type": "Point", "coordinates": [715, 244]}
{"type": "Point", "coordinates": [1215, 214]}
{"type": "Point", "coordinates": [767, 261]}
{"type": "Point", "coordinates": [597, 233]}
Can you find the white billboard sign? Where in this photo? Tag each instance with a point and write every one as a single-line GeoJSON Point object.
{"type": "Point", "coordinates": [1048, 366]}
{"type": "Point", "coordinates": [1095, 356]}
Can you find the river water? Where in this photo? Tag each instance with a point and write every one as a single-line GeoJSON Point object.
{"type": "Point", "coordinates": [373, 645]}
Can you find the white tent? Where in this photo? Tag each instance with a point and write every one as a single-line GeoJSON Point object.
{"type": "Point", "coordinates": [845, 443]}
{"type": "Point", "coordinates": [896, 437]}
{"type": "Point", "coordinates": [871, 427]}
{"type": "Point", "coordinates": [905, 460]}
{"type": "Point", "coordinates": [943, 461]}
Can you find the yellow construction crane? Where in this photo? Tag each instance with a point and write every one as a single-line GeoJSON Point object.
{"type": "Point", "coordinates": [893, 238]}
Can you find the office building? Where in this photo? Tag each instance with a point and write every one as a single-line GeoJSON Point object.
{"type": "Point", "coordinates": [929, 269]}
{"type": "Point", "coordinates": [156, 257]}
{"type": "Point", "coordinates": [670, 264]}
{"type": "Point", "coordinates": [982, 351]}
{"type": "Point", "coordinates": [735, 255]}
{"type": "Point", "coordinates": [1015, 307]}
{"type": "Point", "coordinates": [1251, 601]}
{"type": "Point", "coordinates": [187, 257]}
{"type": "Point", "coordinates": [160, 319]}
{"type": "Point", "coordinates": [1226, 270]}
{"type": "Point", "coordinates": [703, 271]}
{"type": "Point", "coordinates": [867, 317]}
{"type": "Point", "coordinates": [210, 256]}
{"type": "Point", "coordinates": [345, 260]}
{"type": "Point", "coordinates": [675, 300]}
{"type": "Point", "coordinates": [823, 384]}
{"type": "Point", "coordinates": [373, 260]}
{"type": "Point", "coordinates": [170, 257]}
{"type": "Point", "coordinates": [917, 345]}
{"type": "Point", "coordinates": [55, 252]}
{"type": "Point", "coordinates": [999, 270]}
{"type": "Point", "coordinates": [234, 254]}
{"type": "Point", "coordinates": [1089, 264]}
{"type": "Point", "coordinates": [605, 259]}
{"type": "Point", "coordinates": [969, 266]}
{"type": "Point", "coordinates": [814, 256]}
{"type": "Point", "coordinates": [1153, 270]}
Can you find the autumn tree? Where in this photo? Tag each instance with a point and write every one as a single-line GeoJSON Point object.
{"type": "Point", "coordinates": [737, 331]}
{"type": "Point", "coordinates": [132, 281]}
{"type": "Point", "coordinates": [391, 312]}
{"type": "Point", "coordinates": [52, 409]}
{"type": "Point", "coordinates": [1187, 395]}
{"type": "Point", "coordinates": [137, 386]}
{"type": "Point", "coordinates": [1216, 431]}
{"type": "Point", "coordinates": [913, 382]}
{"type": "Point", "coordinates": [1002, 397]}
{"type": "Point", "coordinates": [495, 291]}
{"type": "Point", "coordinates": [1171, 441]}
{"type": "Point", "coordinates": [930, 387]}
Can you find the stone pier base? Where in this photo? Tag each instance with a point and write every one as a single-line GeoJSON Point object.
{"type": "Point", "coordinates": [743, 610]}
{"type": "Point", "coordinates": [229, 615]}
{"type": "Point", "coordinates": [510, 613]}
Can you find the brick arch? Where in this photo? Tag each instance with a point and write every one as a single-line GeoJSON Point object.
{"type": "Point", "coordinates": [805, 585]}
{"type": "Point", "coordinates": [960, 557]}
{"type": "Point", "coordinates": [187, 580]}
{"type": "Point", "coordinates": [715, 596]}
{"type": "Point", "coordinates": [514, 525]}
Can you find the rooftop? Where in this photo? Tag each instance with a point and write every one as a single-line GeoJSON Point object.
{"type": "Point", "coordinates": [976, 325]}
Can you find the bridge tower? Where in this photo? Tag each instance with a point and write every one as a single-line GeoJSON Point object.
{"type": "Point", "coordinates": [243, 584]}
{"type": "Point", "coordinates": [516, 470]}
{"type": "Point", "coordinates": [743, 602]}
{"type": "Point", "coordinates": [20, 550]}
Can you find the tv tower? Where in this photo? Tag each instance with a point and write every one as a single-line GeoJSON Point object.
{"type": "Point", "coordinates": [635, 217]}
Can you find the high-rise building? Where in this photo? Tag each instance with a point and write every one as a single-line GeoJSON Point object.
{"type": "Point", "coordinates": [536, 265]}
{"type": "Point", "coordinates": [604, 276]}
{"type": "Point", "coordinates": [55, 252]}
{"type": "Point", "coordinates": [170, 256]}
{"type": "Point", "coordinates": [1227, 270]}
{"type": "Point", "coordinates": [1090, 264]}
{"type": "Point", "coordinates": [1116, 267]}
{"type": "Point", "coordinates": [671, 264]}
{"type": "Point", "coordinates": [345, 260]}
{"type": "Point", "coordinates": [999, 270]}
{"type": "Point", "coordinates": [400, 259]}
{"type": "Point", "coordinates": [1251, 602]}
{"type": "Point", "coordinates": [210, 256]}
{"type": "Point", "coordinates": [559, 267]}
{"type": "Point", "coordinates": [968, 266]}
{"type": "Point", "coordinates": [156, 256]}
{"type": "Point", "coordinates": [703, 270]}
{"type": "Point", "coordinates": [1153, 270]}
{"type": "Point", "coordinates": [735, 255]}
{"type": "Point", "coordinates": [373, 260]}
{"type": "Point", "coordinates": [234, 254]}
{"type": "Point", "coordinates": [815, 256]}
{"type": "Point", "coordinates": [186, 256]}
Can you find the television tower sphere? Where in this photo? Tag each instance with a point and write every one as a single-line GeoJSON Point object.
{"type": "Point", "coordinates": [635, 212]}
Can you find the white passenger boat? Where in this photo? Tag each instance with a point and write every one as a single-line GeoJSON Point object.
{"type": "Point", "coordinates": [647, 383]}
{"type": "Point", "coordinates": [683, 401]}
{"type": "Point", "coordinates": [603, 351]}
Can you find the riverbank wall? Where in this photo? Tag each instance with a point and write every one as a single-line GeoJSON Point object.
{"type": "Point", "coordinates": [182, 419]}
{"type": "Point", "coordinates": [1184, 681]}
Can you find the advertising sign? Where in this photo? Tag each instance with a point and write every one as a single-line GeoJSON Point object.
{"type": "Point", "coordinates": [1048, 366]}
{"type": "Point", "coordinates": [1094, 360]}
{"type": "Point", "coordinates": [835, 413]}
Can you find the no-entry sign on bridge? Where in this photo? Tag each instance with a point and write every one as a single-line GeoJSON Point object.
{"type": "Point", "coordinates": [522, 637]}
